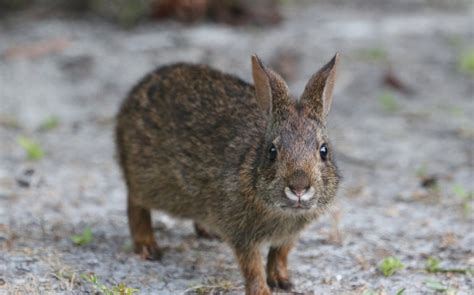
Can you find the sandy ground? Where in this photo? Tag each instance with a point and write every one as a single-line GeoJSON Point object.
{"type": "Point", "coordinates": [385, 147]}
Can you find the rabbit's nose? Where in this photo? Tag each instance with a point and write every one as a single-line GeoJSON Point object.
{"type": "Point", "coordinates": [299, 183]}
{"type": "Point", "coordinates": [298, 192]}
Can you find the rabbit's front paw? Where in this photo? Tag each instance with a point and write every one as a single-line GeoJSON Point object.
{"type": "Point", "coordinates": [279, 283]}
{"type": "Point", "coordinates": [258, 289]}
{"type": "Point", "coordinates": [149, 251]}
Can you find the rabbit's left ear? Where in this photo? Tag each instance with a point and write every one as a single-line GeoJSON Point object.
{"type": "Point", "coordinates": [262, 85]}
{"type": "Point", "coordinates": [317, 95]}
{"type": "Point", "coordinates": [270, 89]}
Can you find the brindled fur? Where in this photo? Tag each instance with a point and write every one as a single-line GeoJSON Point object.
{"type": "Point", "coordinates": [194, 142]}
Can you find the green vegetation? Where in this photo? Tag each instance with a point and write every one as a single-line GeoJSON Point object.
{"type": "Point", "coordinates": [440, 287]}
{"type": "Point", "coordinates": [212, 286]}
{"type": "Point", "coordinates": [466, 62]}
{"type": "Point", "coordinates": [465, 197]}
{"type": "Point", "coordinates": [390, 266]}
{"type": "Point", "coordinates": [422, 171]}
{"type": "Point", "coordinates": [49, 123]}
{"type": "Point", "coordinates": [84, 238]}
{"type": "Point", "coordinates": [382, 292]}
{"type": "Point", "coordinates": [33, 150]}
{"type": "Point", "coordinates": [389, 102]}
{"type": "Point", "coordinates": [433, 266]}
{"type": "Point", "coordinates": [456, 111]}
{"type": "Point", "coordinates": [436, 286]}
{"type": "Point", "coordinates": [120, 289]}
{"type": "Point", "coordinates": [375, 54]}
{"type": "Point", "coordinates": [461, 192]}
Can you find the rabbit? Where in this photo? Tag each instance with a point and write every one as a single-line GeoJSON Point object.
{"type": "Point", "coordinates": [250, 163]}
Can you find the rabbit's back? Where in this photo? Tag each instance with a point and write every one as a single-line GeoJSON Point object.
{"type": "Point", "coordinates": [182, 135]}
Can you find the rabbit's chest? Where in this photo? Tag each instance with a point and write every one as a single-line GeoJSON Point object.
{"type": "Point", "coordinates": [282, 230]}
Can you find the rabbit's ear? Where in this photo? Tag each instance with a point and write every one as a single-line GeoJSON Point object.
{"type": "Point", "coordinates": [317, 95]}
{"type": "Point", "coordinates": [271, 90]}
{"type": "Point", "coordinates": [262, 85]}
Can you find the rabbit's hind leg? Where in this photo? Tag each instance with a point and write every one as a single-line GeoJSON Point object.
{"type": "Point", "coordinates": [139, 219]}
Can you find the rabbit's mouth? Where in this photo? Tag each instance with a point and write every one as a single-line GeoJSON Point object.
{"type": "Point", "coordinates": [297, 206]}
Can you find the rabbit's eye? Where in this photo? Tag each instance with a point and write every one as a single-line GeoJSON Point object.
{"type": "Point", "coordinates": [273, 152]}
{"type": "Point", "coordinates": [324, 151]}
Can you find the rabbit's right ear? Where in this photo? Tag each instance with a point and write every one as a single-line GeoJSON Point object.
{"type": "Point", "coordinates": [271, 90]}
{"type": "Point", "coordinates": [262, 85]}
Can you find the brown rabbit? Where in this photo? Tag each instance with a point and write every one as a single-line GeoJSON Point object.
{"type": "Point", "coordinates": [250, 163]}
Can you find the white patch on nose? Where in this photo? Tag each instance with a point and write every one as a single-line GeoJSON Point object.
{"type": "Point", "coordinates": [308, 195]}
{"type": "Point", "coordinates": [290, 195]}
{"type": "Point", "coordinates": [304, 197]}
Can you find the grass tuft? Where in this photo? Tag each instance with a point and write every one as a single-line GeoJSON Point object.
{"type": "Point", "coordinates": [119, 289]}
{"type": "Point", "coordinates": [389, 102]}
{"type": "Point", "coordinates": [50, 123]}
{"type": "Point", "coordinates": [374, 54]}
{"type": "Point", "coordinates": [436, 286]}
{"type": "Point", "coordinates": [432, 264]}
{"type": "Point", "coordinates": [465, 197]}
{"type": "Point", "coordinates": [33, 150]}
{"type": "Point", "coordinates": [390, 265]}
{"type": "Point", "coordinates": [212, 286]}
{"type": "Point", "coordinates": [84, 238]}
{"type": "Point", "coordinates": [466, 62]}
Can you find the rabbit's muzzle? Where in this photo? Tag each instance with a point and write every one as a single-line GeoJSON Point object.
{"type": "Point", "coordinates": [302, 199]}
{"type": "Point", "coordinates": [299, 193]}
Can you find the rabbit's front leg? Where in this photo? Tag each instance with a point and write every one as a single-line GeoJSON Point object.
{"type": "Point", "coordinates": [277, 267]}
{"type": "Point", "coordinates": [139, 219]}
{"type": "Point", "coordinates": [251, 266]}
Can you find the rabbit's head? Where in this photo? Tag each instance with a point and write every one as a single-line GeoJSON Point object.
{"type": "Point", "coordinates": [295, 169]}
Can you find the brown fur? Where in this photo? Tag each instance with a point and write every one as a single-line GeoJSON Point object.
{"type": "Point", "coordinates": [277, 266]}
{"type": "Point", "coordinates": [194, 142]}
{"type": "Point", "coordinates": [140, 227]}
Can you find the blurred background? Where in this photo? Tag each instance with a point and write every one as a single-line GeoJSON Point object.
{"type": "Point", "coordinates": [401, 122]}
